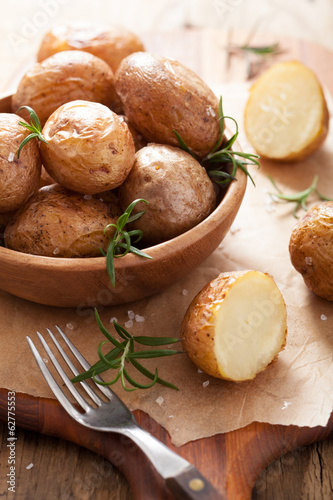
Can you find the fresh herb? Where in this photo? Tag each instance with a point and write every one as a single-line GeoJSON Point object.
{"type": "Point", "coordinates": [222, 154]}
{"type": "Point", "coordinates": [300, 198]}
{"type": "Point", "coordinates": [35, 128]}
{"type": "Point", "coordinates": [124, 352]}
{"type": "Point", "coordinates": [262, 50]}
{"type": "Point", "coordinates": [121, 241]}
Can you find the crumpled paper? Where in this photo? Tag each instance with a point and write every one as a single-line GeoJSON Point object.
{"type": "Point", "coordinates": [296, 390]}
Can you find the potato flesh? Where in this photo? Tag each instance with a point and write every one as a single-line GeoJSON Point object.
{"type": "Point", "coordinates": [286, 116]}
{"type": "Point", "coordinates": [250, 326]}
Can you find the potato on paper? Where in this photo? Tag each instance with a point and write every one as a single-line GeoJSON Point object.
{"type": "Point", "coordinates": [160, 95]}
{"type": "Point", "coordinates": [65, 77]}
{"type": "Point", "coordinates": [236, 326]}
{"type": "Point", "coordinates": [311, 249]}
{"type": "Point", "coordinates": [177, 188]}
{"type": "Point", "coordinates": [286, 117]}
{"type": "Point", "coordinates": [111, 45]}
{"type": "Point", "coordinates": [56, 222]}
{"type": "Point", "coordinates": [90, 149]}
{"type": "Point", "coordinates": [19, 177]}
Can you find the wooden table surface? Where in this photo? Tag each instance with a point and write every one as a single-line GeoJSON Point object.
{"type": "Point", "coordinates": [48, 468]}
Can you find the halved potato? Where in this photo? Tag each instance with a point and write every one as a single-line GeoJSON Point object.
{"type": "Point", "coordinates": [236, 326]}
{"type": "Point", "coordinates": [286, 117]}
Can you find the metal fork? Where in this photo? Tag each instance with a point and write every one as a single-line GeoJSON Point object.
{"type": "Point", "coordinates": [182, 478]}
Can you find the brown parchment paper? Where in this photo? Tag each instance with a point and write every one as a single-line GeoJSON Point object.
{"type": "Point", "coordinates": [297, 390]}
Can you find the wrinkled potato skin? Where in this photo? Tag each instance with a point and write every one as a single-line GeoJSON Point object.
{"type": "Point", "coordinates": [311, 249]}
{"type": "Point", "coordinates": [90, 149]}
{"type": "Point", "coordinates": [19, 178]}
{"type": "Point", "coordinates": [160, 95]}
{"type": "Point", "coordinates": [59, 223]}
{"type": "Point", "coordinates": [111, 45]}
{"type": "Point", "coordinates": [65, 77]}
{"type": "Point", "coordinates": [177, 188]}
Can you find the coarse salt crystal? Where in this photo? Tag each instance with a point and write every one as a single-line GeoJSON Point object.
{"type": "Point", "coordinates": [200, 371]}
{"type": "Point", "coordinates": [139, 319]}
{"type": "Point", "coordinates": [160, 400]}
{"type": "Point", "coordinates": [171, 416]}
{"type": "Point", "coordinates": [210, 111]}
{"type": "Point", "coordinates": [56, 251]}
{"type": "Point", "coordinates": [131, 314]}
{"type": "Point", "coordinates": [323, 317]}
{"type": "Point", "coordinates": [129, 323]}
{"type": "Point", "coordinates": [185, 292]}
{"type": "Point", "coordinates": [11, 157]}
{"type": "Point", "coordinates": [87, 197]}
{"type": "Point", "coordinates": [205, 384]}
{"type": "Point", "coordinates": [30, 466]}
{"type": "Point", "coordinates": [113, 319]}
{"type": "Point", "coordinates": [69, 326]}
{"type": "Point", "coordinates": [308, 260]}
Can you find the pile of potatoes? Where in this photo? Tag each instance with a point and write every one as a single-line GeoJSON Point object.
{"type": "Point", "coordinates": [108, 112]}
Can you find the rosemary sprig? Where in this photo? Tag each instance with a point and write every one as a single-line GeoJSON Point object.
{"type": "Point", "coordinates": [124, 352]}
{"type": "Point", "coordinates": [259, 50]}
{"type": "Point", "coordinates": [300, 199]}
{"type": "Point", "coordinates": [35, 128]}
{"type": "Point", "coordinates": [121, 241]}
{"type": "Point", "coordinates": [222, 153]}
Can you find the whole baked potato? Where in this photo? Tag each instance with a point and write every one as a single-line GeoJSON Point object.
{"type": "Point", "coordinates": [56, 222]}
{"type": "Point", "coordinates": [111, 45]}
{"type": "Point", "coordinates": [90, 149]}
{"type": "Point", "coordinates": [311, 249]}
{"type": "Point", "coordinates": [160, 95]}
{"type": "Point", "coordinates": [65, 77]}
{"type": "Point", "coordinates": [19, 177]}
{"type": "Point", "coordinates": [177, 188]}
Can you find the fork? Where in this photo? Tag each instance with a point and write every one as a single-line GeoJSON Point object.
{"type": "Point", "coordinates": [182, 478]}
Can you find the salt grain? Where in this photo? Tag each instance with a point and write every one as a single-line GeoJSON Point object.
{"type": "Point", "coordinates": [210, 111]}
{"type": "Point", "coordinates": [129, 323]}
{"type": "Point", "coordinates": [131, 314]}
{"type": "Point", "coordinates": [11, 157]}
{"type": "Point", "coordinates": [200, 371]}
{"type": "Point", "coordinates": [323, 317]}
{"type": "Point", "coordinates": [185, 292]}
{"type": "Point", "coordinates": [205, 384]}
{"type": "Point", "coordinates": [113, 319]}
{"type": "Point", "coordinates": [139, 319]}
{"type": "Point", "coordinates": [87, 197]}
{"type": "Point", "coordinates": [30, 466]}
{"type": "Point", "coordinates": [308, 261]}
{"type": "Point", "coordinates": [171, 416]}
{"type": "Point", "coordinates": [69, 326]}
{"type": "Point", "coordinates": [160, 400]}
{"type": "Point", "coordinates": [56, 251]}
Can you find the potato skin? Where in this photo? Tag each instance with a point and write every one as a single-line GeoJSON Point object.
{"type": "Point", "coordinates": [311, 249]}
{"type": "Point", "coordinates": [56, 222]}
{"type": "Point", "coordinates": [19, 177]}
{"type": "Point", "coordinates": [178, 190]}
{"type": "Point", "coordinates": [111, 45]}
{"type": "Point", "coordinates": [90, 149]}
{"type": "Point", "coordinates": [65, 77]}
{"type": "Point", "coordinates": [198, 326]}
{"type": "Point", "coordinates": [160, 95]}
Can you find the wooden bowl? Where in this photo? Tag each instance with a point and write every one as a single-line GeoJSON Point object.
{"type": "Point", "coordinates": [84, 282]}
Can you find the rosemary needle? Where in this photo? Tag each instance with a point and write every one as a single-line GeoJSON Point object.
{"type": "Point", "coordinates": [35, 128]}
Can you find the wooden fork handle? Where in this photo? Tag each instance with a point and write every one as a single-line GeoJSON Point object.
{"type": "Point", "coordinates": [192, 485]}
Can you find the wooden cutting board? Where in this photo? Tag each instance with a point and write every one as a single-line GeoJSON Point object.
{"type": "Point", "coordinates": [232, 461]}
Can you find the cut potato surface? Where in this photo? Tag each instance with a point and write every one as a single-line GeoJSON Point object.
{"type": "Point", "coordinates": [286, 116]}
{"type": "Point", "coordinates": [236, 326]}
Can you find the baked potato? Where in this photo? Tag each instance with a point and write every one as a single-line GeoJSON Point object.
{"type": "Point", "coordinates": [286, 116]}
{"type": "Point", "coordinates": [90, 149]}
{"type": "Point", "coordinates": [65, 77]}
{"type": "Point", "coordinates": [111, 45]}
{"type": "Point", "coordinates": [236, 325]}
{"type": "Point", "coordinates": [177, 188]}
{"type": "Point", "coordinates": [19, 177]}
{"type": "Point", "coordinates": [160, 95]}
{"type": "Point", "coordinates": [311, 249]}
{"type": "Point", "coordinates": [56, 222]}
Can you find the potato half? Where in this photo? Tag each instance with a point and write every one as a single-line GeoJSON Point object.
{"type": "Point", "coordinates": [286, 117]}
{"type": "Point", "coordinates": [161, 95]}
{"type": "Point", "coordinates": [19, 177]}
{"type": "Point", "coordinates": [56, 222]}
{"type": "Point", "coordinates": [311, 249]}
{"type": "Point", "coordinates": [111, 45]}
{"type": "Point", "coordinates": [236, 326]}
{"type": "Point", "coordinates": [90, 149]}
{"type": "Point", "coordinates": [64, 77]}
